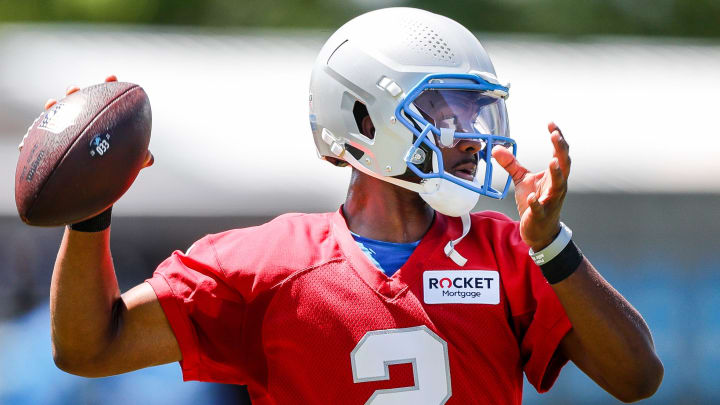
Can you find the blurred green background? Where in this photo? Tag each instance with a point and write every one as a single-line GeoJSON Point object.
{"type": "Point", "coordinates": [682, 18]}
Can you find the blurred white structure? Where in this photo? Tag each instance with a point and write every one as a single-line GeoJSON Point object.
{"type": "Point", "coordinates": [231, 134]}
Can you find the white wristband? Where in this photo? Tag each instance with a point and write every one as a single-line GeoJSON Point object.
{"type": "Point", "coordinates": [554, 248]}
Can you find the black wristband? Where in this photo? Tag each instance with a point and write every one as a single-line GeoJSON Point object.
{"type": "Point", "coordinates": [98, 223]}
{"type": "Point", "coordinates": [562, 265]}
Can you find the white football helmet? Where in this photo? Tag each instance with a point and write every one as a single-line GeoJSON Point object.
{"type": "Point", "coordinates": [426, 83]}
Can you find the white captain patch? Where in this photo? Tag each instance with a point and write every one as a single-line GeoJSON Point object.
{"type": "Point", "coordinates": [461, 287]}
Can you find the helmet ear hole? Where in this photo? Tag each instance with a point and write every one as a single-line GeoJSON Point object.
{"type": "Point", "coordinates": [363, 121]}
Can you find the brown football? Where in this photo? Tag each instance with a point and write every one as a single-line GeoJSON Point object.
{"type": "Point", "coordinates": [82, 154]}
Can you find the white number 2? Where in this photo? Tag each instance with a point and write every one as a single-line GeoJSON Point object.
{"type": "Point", "coordinates": [418, 345]}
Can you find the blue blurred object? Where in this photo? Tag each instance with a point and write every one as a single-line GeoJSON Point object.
{"type": "Point", "coordinates": [29, 376]}
{"type": "Point", "coordinates": [679, 303]}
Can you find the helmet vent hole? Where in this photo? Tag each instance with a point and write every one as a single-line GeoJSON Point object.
{"type": "Point", "coordinates": [425, 40]}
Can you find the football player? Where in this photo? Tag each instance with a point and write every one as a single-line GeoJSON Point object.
{"type": "Point", "coordinates": [401, 296]}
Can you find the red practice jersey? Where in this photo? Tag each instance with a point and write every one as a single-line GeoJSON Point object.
{"type": "Point", "coordinates": [297, 312]}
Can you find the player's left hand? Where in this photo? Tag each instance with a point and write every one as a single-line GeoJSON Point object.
{"type": "Point", "coordinates": [539, 196]}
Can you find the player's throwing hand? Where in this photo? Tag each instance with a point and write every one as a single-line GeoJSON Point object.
{"type": "Point", "coordinates": [539, 196]}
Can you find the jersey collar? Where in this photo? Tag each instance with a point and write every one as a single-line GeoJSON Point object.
{"type": "Point", "coordinates": [410, 272]}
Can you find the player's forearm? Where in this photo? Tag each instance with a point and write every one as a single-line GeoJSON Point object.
{"type": "Point", "coordinates": [83, 294]}
{"type": "Point", "coordinates": [610, 340]}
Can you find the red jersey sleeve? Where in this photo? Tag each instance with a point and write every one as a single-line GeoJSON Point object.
{"type": "Point", "coordinates": [205, 313]}
{"type": "Point", "coordinates": [539, 320]}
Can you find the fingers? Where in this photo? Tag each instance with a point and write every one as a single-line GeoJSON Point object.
{"type": "Point", "coordinates": [51, 102]}
{"type": "Point", "coordinates": [72, 89]}
{"type": "Point", "coordinates": [557, 178]}
{"type": "Point", "coordinates": [552, 127]}
{"type": "Point", "coordinates": [511, 165]}
{"type": "Point", "coordinates": [562, 148]}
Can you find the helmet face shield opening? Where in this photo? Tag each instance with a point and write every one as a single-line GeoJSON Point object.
{"type": "Point", "coordinates": [462, 111]}
{"type": "Point", "coordinates": [448, 109]}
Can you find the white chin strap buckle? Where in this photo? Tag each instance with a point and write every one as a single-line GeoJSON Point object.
{"type": "Point", "coordinates": [450, 247]}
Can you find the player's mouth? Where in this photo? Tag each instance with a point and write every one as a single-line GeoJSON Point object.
{"type": "Point", "coordinates": [465, 169]}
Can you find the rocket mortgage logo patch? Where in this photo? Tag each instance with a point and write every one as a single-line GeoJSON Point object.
{"type": "Point", "coordinates": [461, 287]}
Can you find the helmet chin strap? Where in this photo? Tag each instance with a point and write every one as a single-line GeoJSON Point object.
{"type": "Point", "coordinates": [450, 247]}
{"type": "Point", "coordinates": [418, 188]}
{"type": "Point", "coordinates": [338, 148]}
